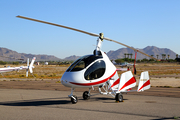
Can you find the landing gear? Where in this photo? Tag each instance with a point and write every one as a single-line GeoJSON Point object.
{"type": "Point", "coordinates": [86, 95]}
{"type": "Point", "coordinates": [119, 97]}
{"type": "Point", "coordinates": [74, 99]}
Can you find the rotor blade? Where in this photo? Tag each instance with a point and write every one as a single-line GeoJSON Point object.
{"type": "Point", "coordinates": [130, 48]}
{"type": "Point", "coordinates": [92, 34]}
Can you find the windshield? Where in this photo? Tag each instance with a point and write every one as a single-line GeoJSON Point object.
{"type": "Point", "coordinates": [82, 62]}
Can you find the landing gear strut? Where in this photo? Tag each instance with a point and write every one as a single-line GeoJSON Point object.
{"type": "Point", "coordinates": [74, 98]}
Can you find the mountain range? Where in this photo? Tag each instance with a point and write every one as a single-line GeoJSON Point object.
{"type": "Point", "coordinates": [10, 55]}
{"type": "Point", "coordinates": [150, 50]}
{"type": "Point", "coordinates": [120, 53]}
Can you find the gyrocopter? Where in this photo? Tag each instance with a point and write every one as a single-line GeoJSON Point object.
{"type": "Point", "coordinates": [96, 70]}
{"type": "Point", "coordinates": [28, 67]}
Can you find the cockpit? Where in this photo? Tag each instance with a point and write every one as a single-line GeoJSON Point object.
{"type": "Point", "coordinates": [82, 63]}
{"type": "Point", "coordinates": [95, 71]}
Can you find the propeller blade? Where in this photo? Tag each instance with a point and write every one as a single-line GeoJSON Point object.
{"type": "Point", "coordinates": [26, 72]}
{"type": "Point", "coordinates": [27, 61]}
{"type": "Point", "coordinates": [27, 67]}
{"type": "Point", "coordinates": [92, 34]}
{"type": "Point", "coordinates": [30, 70]}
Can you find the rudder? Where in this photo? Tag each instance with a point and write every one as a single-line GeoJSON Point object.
{"type": "Point", "coordinates": [144, 82]}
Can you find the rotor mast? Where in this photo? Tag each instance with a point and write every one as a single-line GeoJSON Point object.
{"type": "Point", "coordinates": [99, 43]}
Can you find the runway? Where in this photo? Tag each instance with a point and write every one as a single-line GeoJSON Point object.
{"type": "Point", "coordinates": [48, 104]}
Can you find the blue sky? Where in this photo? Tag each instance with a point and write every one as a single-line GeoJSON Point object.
{"type": "Point", "coordinates": [137, 23]}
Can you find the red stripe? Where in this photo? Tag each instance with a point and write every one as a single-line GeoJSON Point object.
{"type": "Point", "coordinates": [129, 82]}
{"type": "Point", "coordinates": [115, 83]}
{"type": "Point", "coordinates": [145, 84]}
{"type": "Point", "coordinates": [94, 83]}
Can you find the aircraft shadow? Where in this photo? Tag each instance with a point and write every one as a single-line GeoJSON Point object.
{"type": "Point", "coordinates": [168, 118]}
{"type": "Point", "coordinates": [35, 102]}
{"type": "Point", "coordinates": [52, 101]}
{"type": "Point", "coordinates": [107, 99]}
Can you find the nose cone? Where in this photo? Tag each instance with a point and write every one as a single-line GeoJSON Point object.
{"type": "Point", "coordinates": [64, 80]}
{"type": "Point", "coordinates": [72, 77]}
{"type": "Point", "coordinates": [69, 77]}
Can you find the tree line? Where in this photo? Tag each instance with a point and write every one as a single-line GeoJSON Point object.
{"type": "Point", "coordinates": [165, 58]}
{"type": "Point", "coordinates": [5, 62]}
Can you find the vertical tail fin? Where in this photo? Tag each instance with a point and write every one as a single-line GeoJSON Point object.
{"type": "Point", "coordinates": [144, 82]}
{"type": "Point", "coordinates": [127, 81]}
{"type": "Point", "coordinates": [31, 65]}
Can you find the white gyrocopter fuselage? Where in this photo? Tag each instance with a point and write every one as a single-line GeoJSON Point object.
{"type": "Point", "coordinates": [89, 70]}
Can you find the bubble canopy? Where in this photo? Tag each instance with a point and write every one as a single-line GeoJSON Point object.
{"type": "Point", "coordinates": [82, 63]}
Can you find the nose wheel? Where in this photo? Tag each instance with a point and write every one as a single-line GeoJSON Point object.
{"type": "Point", "coordinates": [74, 99]}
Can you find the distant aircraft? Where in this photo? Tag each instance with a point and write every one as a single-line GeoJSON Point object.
{"type": "Point", "coordinates": [124, 64]}
{"type": "Point", "coordinates": [122, 69]}
{"type": "Point", "coordinates": [28, 67]}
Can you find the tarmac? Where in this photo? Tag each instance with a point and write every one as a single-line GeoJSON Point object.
{"type": "Point", "coordinates": [22, 104]}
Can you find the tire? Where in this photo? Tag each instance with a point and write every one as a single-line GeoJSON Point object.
{"type": "Point", "coordinates": [119, 97]}
{"type": "Point", "coordinates": [86, 95]}
{"type": "Point", "coordinates": [74, 99]}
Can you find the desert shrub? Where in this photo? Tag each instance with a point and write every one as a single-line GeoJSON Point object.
{"type": "Point", "coordinates": [35, 75]}
{"type": "Point", "coordinates": [3, 63]}
{"type": "Point", "coordinates": [21, 75]}
{"type": "Point", "coordinates": [15, 63]}
{"type": "Point", "coordinates": [42, 76]}
{"type": "Point", "coordinates": [119, 60]}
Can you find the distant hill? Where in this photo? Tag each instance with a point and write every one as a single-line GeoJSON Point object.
{"type": "Point", "coordinates": [150, 50]}
{"type": "Point", "coordinates": [13, 54]}
{"type": "Point", "coordinates": [73, 57]}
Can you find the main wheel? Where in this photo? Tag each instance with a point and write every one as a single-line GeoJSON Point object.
{"type": "Point", "coordinates": [74, 99]}
{"type": "Point", "coordinates": [119, 97]}
{"type": "Point", "coordinates": [86, 95]}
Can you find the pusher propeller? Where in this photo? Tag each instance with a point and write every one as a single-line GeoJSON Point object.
{"type": "Point", "coordinates": [92, 34]}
